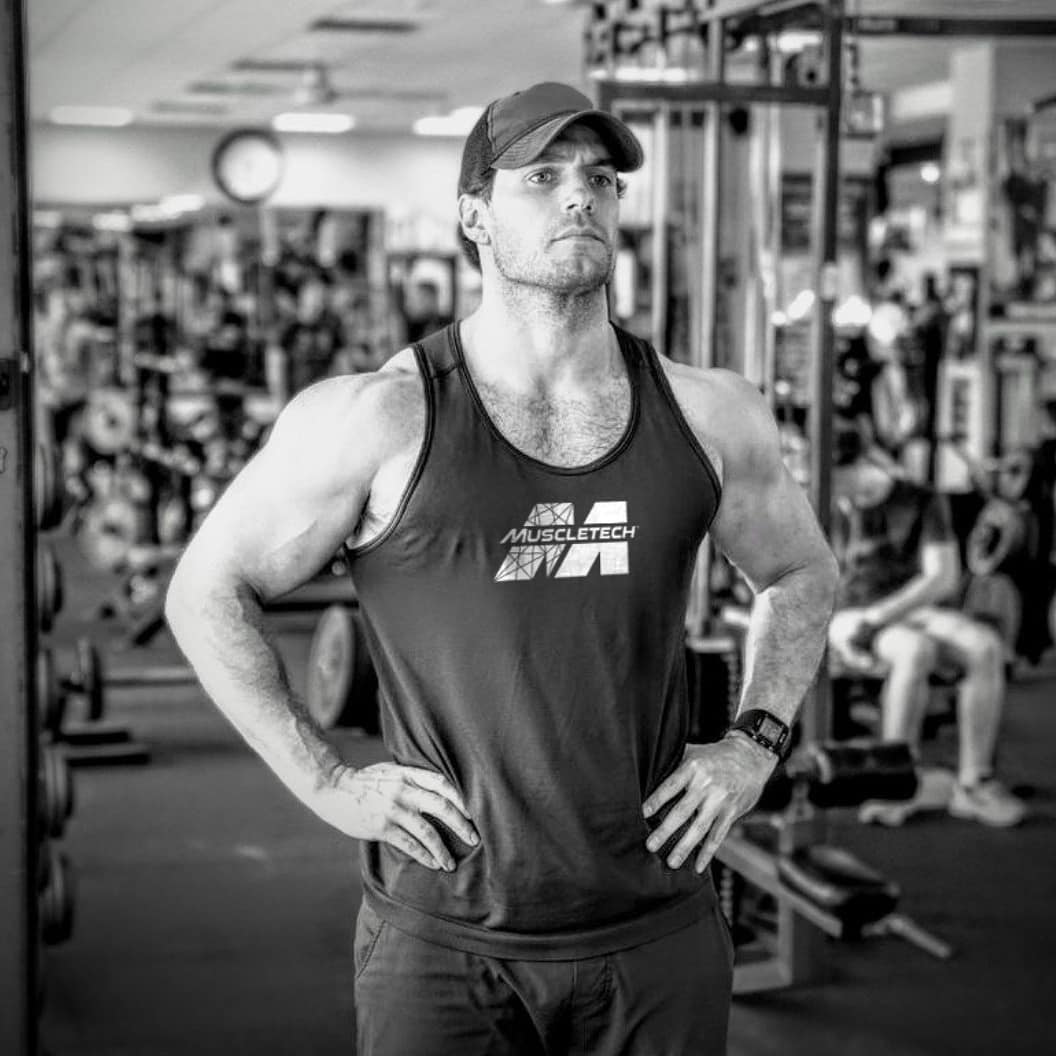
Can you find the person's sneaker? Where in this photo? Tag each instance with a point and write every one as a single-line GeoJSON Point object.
{"type": "Point", "coordinates": [988, 802]}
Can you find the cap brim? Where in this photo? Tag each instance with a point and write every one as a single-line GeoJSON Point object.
{"type": "Point", "coordinates": [626, 151]}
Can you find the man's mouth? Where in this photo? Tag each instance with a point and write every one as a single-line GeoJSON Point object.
{"type": "Point", "coordinates": [580, 233]}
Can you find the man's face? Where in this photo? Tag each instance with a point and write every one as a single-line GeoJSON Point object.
{"type": "Point", "coordinates": [553, 223]}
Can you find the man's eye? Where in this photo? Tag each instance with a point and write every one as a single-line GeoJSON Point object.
{"type": "Point", "coordinates": [542, 176]}
{"type": "Point", "coordinates": [602, 179]}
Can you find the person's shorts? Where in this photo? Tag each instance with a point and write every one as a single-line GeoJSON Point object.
{"type": "Point", "coordinates": [668, 997]}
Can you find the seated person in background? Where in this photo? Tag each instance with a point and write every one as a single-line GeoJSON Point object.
{"type": "Point", "coordinates": [422, 310]}
{"type": "Point", "coordinates": [900, 570]}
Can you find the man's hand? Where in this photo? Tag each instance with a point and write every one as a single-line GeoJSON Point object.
{"type": "Point", "coordinates": [719, 783]}
{"type": "Point", "coordinates": [850, 637]}
{"type": "Point", "coordinates": [387, 802]}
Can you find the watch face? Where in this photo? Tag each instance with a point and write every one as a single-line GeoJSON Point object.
{"type": "Point", "coordinates": [247, 165]}
{"type": "Point", "coordinates": [770, 729]}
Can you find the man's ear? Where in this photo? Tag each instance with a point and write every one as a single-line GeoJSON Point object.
{"type": "Point", "coordinates": [471, 210]}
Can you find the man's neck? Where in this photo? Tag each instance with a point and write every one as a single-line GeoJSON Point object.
{"type": "Point", "coordinates": [535, 342]}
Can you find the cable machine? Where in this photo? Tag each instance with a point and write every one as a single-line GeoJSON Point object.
{"type": "Point", "coordinates": [665, 69]}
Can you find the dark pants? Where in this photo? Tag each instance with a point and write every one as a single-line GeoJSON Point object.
{"type": "Point", "coordinates": [669, 997]}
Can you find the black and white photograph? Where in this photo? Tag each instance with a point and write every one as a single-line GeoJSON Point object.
{"type": "Point", "coordinates": [528, 528]}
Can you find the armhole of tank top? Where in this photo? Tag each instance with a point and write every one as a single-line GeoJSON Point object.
{"type": "Point", "coordinates": [657, 370]}
{"type": "Point", "coordinates": [424, 372]}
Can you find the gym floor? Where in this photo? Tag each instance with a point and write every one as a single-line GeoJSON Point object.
{"type": "Point", "coordinates": [214, 914]}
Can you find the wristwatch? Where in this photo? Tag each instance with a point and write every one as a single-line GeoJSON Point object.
{"type": "Point", "coordinates": [765, 729]}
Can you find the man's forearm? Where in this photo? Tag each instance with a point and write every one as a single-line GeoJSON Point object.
{"type": "Point", "coordinates": [786, 639]}
{"type": "Point", "coordinates": [220, 630]}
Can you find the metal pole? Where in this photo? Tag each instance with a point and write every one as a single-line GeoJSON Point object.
{"type": "Point", "coordinates": [817, 718]}
{"type": "Point", "coordinates": [661, 165]}
{"type": "Point", "coordinates": [18, 735]}
{"type": "Point", "coordinates": [699, 611]}
{"type": "Point", "coordinates": [709, 204]}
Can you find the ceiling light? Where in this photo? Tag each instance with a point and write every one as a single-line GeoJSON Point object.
{"type": "Point", "coordinates": [793, 40]}
{"type": "Point", "coordinates": [457, 123]}
{"type": "Point", "coordinates": [113, 221]}
{"type": "Point", "coordinates": [300, 121]}
{"type": "Point", "coordinates": [930, 172]}
{"type": "Point", "coordinates": [182, 203]}
{"type": "Point", "coordinates": [149, 213]}
{"type": "Point", "coordinates": [104, 116]}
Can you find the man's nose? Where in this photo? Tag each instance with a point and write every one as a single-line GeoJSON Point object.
{"type": "Point", "coordinates": [580, 195]}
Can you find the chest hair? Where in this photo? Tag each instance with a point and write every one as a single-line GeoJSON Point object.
{"type": "Point", "coordinates": [563, 431]}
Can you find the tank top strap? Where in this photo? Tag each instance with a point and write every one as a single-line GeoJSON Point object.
{"type": "Point", "coordinates": [435, 352]}
{"type": "Point", "coordinates": [658, 401]}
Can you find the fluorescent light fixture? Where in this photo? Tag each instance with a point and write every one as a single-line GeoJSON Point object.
{"type": "Point", "coordinates": [182, 203]}
{"type": "Point", "coordinates": [930, 172]}
{"type": "Point", "coordinates": [304, 121]}
{"type": "Point", "coordinates": [149, 213]}
{"type": "Point", "coordinates": [101, 116]}
{"type": "Point", "coordinates": [113, 221]}
{"type": "Point", "coordinates": [457, 123]}
{"type": "Point", "coordinates": [644, 74]}
{"type": "Point", "coordinates": [853, 312]}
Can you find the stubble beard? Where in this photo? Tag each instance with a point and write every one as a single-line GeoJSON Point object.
{"type": "Point", "coordinates": [565, 285]}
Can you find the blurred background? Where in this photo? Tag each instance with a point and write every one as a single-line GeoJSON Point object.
{"type": "Point", "coordinates": [853, 204]}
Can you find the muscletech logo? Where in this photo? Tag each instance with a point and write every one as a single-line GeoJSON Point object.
{"type": "Point", "coordinates": [551, 539]}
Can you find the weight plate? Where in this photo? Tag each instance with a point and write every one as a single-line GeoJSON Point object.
{"type": "Point", "coordinates": [56, 801]}
{"type": "Point", "coordinates": [49, 491]}
{"type": "Point", "coordinates": [331, 662]}
{"type": "Point", "coordinates": [44, 859]}
{"type": "Point", "coordinates": [56, 901]}
{"type": "Point", "coordinates": [49, 587]}
{"type": "Point", "coordinates": [90, 678]}
{"type": "Point", "coordinates": [1013, 477]}
{"type": "Point", "coordinates": [110, 421]}
{"type": "Point", "coordinates": [998, 532]}
{"type": "Point", "coordinates": [51, 701]}
{"type": "Point", "coordinates": [108, 530]}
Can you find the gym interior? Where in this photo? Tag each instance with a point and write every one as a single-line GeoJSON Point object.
{"type": "Point", "coordinates": [213, 205]}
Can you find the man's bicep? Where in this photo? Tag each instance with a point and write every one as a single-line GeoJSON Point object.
{"type": "Point", "coordinates": [286, 513]}
{"type": "Point", "coordinates": [274, 528]}
{"type": "Point", "coordinates": [766, 527]}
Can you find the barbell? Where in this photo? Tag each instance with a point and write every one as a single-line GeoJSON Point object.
{"type": "Point", "coordinates": [85, 682]}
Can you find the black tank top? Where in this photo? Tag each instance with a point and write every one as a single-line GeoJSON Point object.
{"type": "Point", "coordinates": [527, 625]}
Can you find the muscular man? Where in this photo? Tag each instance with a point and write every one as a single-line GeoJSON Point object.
{"type": "Point", "coordinates": [523, 495]}
{"type": "Point", "coordinates": [901, 568]}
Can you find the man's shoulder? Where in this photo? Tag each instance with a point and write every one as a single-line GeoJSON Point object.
{"type": "Point", "coordinates": [384, 405]}
{"type": "Point", "coordinates": [725, 411]}
{"type": "Point", "coordinates": [710, 384]}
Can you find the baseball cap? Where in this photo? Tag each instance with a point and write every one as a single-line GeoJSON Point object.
{"type": "Point", "coordinates": [517, 128]}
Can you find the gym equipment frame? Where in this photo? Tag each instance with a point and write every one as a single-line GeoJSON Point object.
{"type": "Point", "coordinates": [19, 953]}
{"type": "Point", "coordinates": [799, 954]}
